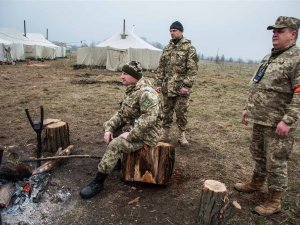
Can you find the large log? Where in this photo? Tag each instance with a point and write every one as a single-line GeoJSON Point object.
{"type": "Point", "coordinates": [215, 206]}
{"type": "Point", "coordinates": [6, 192]}
{"type": "Point", "coordinates": [14, 172]}
{"type": "Point", "coordinates": [55, 135]}
{"type": "Point", "coordinates": [150, 165]}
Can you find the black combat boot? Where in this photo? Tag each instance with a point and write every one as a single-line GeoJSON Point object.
{"type": "Point", "coordinates": [118, 166]}
{"type": "Point", "coordinates": [94, 187]}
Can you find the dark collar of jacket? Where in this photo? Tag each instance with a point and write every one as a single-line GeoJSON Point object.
{"type": "Point", "coordinates": [181, 41]}
{"type": "Point", "coordinates": [275, 52]}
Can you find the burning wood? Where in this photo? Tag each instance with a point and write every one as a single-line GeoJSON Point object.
{"type": "Point", "coordinates": [31, 189]}
{"type": "Point", "coordinates": [28, 191]}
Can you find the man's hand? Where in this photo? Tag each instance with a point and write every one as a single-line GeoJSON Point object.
{"type": "Point", "coordinates": [184, 90]}
{"type": "Point", "coordinates": [282, 129]}
{"type": "Point", "coordinates": [244, 115]}
{"type": "Point", "coordinates": [158, 89]}
{"type": "Point", "coordinates": [108, 136]}
{"type": "Point", "coordinates": [124, 135]}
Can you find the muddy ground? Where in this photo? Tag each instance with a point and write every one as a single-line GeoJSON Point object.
{"type": "Point", "coordinates": [85, 98]}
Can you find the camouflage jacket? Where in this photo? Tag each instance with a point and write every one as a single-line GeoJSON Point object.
{"type": "Point", "coordinates": [140, 111]}
{"type": "Point", "coordinates": [177, 68]}
{"type": "Point", "coordinates": [272, 99]}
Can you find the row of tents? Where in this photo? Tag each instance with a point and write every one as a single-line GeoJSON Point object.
{"type": "Point", "coordinates": [113, 53]}
{"type": "Point", "coordinates": [122, 47]}
{"type": "Point", "coordinates": [14, 46]}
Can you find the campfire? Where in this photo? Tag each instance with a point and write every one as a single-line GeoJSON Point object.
{"type": "Point", "coordinates": [24, 190]}
{"type": "Point", "coordinates": [24, 182]}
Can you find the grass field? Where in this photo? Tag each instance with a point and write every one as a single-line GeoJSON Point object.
{"type": "Point", "coordinates": [86, 98]}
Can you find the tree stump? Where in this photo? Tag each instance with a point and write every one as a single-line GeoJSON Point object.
{"type": "Point", "coordinates": [55, 135]}
{"type": "Point", "coordinates": [150, 165]}
{"type": "Point", "coordinates": [215, 206]}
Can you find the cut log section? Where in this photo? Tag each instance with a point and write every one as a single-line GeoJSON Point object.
{"type": "Point", "coordinates": [150, 165]}
{"type": "Point", "coordinates": [55, 135]}
{"type": "Point", "coordinates": [215, 206]}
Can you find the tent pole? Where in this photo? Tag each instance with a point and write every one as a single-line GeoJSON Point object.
{"type": "Point", "coordinates": [123, 36]}
{"type": "Point", "coordinates": [124, 27]}
{"type": "Point", "coordinates": [24, 28]}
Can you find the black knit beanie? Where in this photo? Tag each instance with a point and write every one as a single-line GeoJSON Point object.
{"type": "Point", "coordinates": [134, 69]}
{"type": "Point", "coordinates": [177, 25]}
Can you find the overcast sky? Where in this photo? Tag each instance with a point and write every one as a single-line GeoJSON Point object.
{"type": "Point", "coordinates": [234, 28]}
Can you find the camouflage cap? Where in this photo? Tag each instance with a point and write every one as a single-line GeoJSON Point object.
{"type": "Point", "coordinates": [284, 21]}
{"type": "Point", "coordinates": [134, 69]}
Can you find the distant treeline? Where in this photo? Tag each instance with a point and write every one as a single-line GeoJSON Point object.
{"type": "Point", "coordinates": [222, 59]}
{"type": "Point", "coordinates": [217, 59]}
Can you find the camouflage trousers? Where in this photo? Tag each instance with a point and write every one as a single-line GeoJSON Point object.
{"type": "Point", "coordinates": [180, 105]}
{"type": "Point", "coordinates": [271, 153]}
{"type": "Point", "coordinates": [114, 151]}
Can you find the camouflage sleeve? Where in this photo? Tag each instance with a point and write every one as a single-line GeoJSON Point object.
{"type": "Point", "coordinates": [149, 107]}
{"type": "Point", "coordinates": [160, 71]}
{"type": "Point", "coordinates": [113, 123]}
{"type": "Point", "coordinates": [292, 112]}
{"type": "Point", "coordinates": [192, 68]}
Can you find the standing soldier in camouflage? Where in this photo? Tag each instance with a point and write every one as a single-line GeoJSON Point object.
{"type": "Point", "coordinates": [177, 70]}
{"type": "Point", "coordinates": [274, 107]}
{"type": "Point", "coordinates": [139, 116]}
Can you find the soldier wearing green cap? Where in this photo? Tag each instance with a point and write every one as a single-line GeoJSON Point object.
{"type": "Point", "coordinates": [273, 106]}
{"type": "Point", "coordinates": [139, 120]}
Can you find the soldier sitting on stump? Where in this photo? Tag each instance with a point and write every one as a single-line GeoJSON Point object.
{"type": "Point", "coordinates": [140, 110]}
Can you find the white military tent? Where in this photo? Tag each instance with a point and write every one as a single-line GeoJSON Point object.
{"type": "Point", "coordinates": [59, 51]}
{"type": "Point", "coordinates": [11, 48]}
{"type": "Point", "coordinates": [122, 47]}
{"type": "Point", "coordinates": [15, 46]}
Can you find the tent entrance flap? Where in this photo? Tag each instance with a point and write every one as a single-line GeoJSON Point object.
{"type": "Point", "coordinates": [116, 59]}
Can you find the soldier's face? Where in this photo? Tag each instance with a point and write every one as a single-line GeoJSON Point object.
{"type": "Point", "coordinates": [283, 37]}
{"type": "Point", "coordinates": [175, 34]}
{"type": "Point", "coordinates": [127, 79]}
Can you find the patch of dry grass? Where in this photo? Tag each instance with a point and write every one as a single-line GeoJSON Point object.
{"type": "Point", "coordinates": [86, 98]}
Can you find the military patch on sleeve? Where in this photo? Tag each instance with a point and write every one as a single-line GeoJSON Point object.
{"type": "Point", "coordinates": [147, 103]}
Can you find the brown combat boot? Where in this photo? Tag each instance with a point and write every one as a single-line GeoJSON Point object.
{"type": "Point", "coordinates": [182, 140]}
{"type": "Point", "coordinates": [256, 184]}
{"type": "Point", "coordinates": [165, 136]}
{"type": "Point", "coordinates": [271, 205]}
